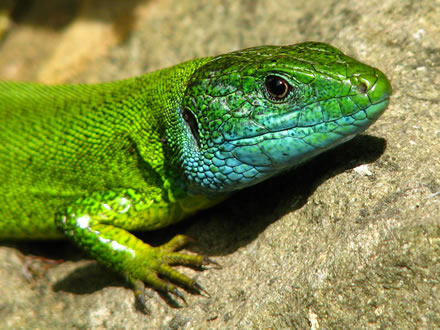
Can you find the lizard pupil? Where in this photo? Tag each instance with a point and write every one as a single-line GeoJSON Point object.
{"type": "Point", "coordinates": [277, 88]}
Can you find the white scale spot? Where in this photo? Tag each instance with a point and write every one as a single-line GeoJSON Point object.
{"type": "Point", "coordinates": [124, 202]}
{"type": "Point", "coordinates": [120, 247]}
{"type": "Point", "coordinates": [106, 206]}
{"type": "Point", "coordinates": [83, 221]}
{"type": "Point", "coordinates": [116, 246]}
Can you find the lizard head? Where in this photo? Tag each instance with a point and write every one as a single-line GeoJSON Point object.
{"type": "Point", "coordinates": [253, 113]}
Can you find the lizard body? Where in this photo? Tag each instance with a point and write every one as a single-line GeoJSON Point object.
{"type": "Point", "coordinates": [93, 162]}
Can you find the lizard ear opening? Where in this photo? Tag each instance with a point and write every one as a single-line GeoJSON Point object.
{"type": "Point", "coordinates": [191, 121]}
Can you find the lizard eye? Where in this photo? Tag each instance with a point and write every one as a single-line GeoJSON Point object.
{"type": "Point", "coordinates": [277, 88]}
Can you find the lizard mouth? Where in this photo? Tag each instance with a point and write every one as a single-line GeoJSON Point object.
{"type": "Point", "coordinates": [291, 147]}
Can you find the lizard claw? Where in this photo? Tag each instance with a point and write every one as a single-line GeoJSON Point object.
{"type": "Point", "coordinates": [179, 295]}
{"type": "Point", "coordinates": [139, 292]}
{"type": "Point", "coordinates": [141, 303]}
{"type": "Point", "coordinates": [208, 261]}
{"type": "Point", "coordinates": [201, 289]}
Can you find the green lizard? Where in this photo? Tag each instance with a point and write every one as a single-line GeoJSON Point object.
{"type": "Point", "coordinates": [93, 162]}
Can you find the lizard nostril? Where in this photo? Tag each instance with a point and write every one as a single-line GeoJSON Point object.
{"type": "Point", "coordinates": [362, 88]}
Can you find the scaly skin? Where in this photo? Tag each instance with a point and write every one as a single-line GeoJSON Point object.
{"type": "Point", "coordinates": [93, 162]}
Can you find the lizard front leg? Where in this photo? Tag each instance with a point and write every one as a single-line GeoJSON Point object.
{"type": "Point", "coordinates": [98, 224]}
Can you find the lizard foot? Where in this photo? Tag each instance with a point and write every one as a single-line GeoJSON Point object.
{"type": "Point", "coordinates": [152, 266]}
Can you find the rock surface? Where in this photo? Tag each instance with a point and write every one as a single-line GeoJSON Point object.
{"type": "Point", "coordinates": [350, 240]}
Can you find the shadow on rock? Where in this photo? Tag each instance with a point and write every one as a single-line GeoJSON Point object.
{"type": "Point", "coordinates": [239, 220]}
